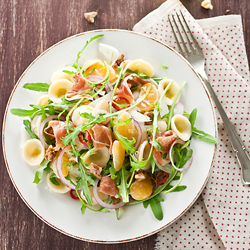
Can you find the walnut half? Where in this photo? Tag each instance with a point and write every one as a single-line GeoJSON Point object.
{"type": "Point", "coordinates": [206, 4]}
{"type": "Point", "coordinates": [90, 16]}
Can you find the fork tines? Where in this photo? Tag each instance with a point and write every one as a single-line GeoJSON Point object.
{"type": "Point", "coordinates": [179, 30]}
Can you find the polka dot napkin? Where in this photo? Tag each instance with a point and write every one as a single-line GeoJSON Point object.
{"type": "Point", "coordinates": [220, 218]}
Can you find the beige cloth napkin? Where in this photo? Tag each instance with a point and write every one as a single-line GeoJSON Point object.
{"type": "Point", "coordinates": [220, 218]}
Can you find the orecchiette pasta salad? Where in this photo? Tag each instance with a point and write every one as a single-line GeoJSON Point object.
{"type": "Point", "coordinates": [109, 133]}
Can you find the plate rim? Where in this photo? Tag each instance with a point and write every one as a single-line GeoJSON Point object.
{"type": "Point", "coordinates": [7, 110]}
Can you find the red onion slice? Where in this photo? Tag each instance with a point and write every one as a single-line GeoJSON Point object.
{"type": "Point", "coordinates": [139, 129]}
{"type": "Point", "coordinates": [95, 78]}
{"type": "Point", "coordinates": [102, 203]}
{"type": "Point", "coordinates": [59, 169]}
{"type": "Point", "coordinates": [186, 166]}
{"type": "Point", "coordinates": [41, 127]}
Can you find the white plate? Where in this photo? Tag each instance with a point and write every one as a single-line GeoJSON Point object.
{"type": "Point", "coordinates": [60, 211]}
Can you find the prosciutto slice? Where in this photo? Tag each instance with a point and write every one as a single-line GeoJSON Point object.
{"type": "Point", "coordinates": [166, 141]}
{"type": "Point", "coordinates": [57, 130]}
{"type": "Point", "coordinates": [136, 80]}
{"type": "Point", "coordinates": [125, 91]}
{"type": "Point", "coordinates": [80, 86]}
{"type": "Point", "coordinates": [108, 186]}
{"type": "Point", "coordinates": [101, 136]}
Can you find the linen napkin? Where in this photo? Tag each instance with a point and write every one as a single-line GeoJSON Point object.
{"type": "Point", "coordinates": [220, 218]}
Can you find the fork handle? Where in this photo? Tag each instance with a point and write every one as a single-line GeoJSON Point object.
{"type": "Point", "coordinates": [237, 144]}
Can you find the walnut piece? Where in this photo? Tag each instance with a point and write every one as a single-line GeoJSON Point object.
{"type": "Point", "coordinates": [206, 4]}
{"type": "Point", "coordinates": [140, 175]}
{"type": "Point", "coordinates": [50, 153]}
{"type": "Point", "coordinates": [90, 16]}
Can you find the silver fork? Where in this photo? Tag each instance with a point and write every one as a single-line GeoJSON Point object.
{"type": "Point", "coordinates": [194, 55]}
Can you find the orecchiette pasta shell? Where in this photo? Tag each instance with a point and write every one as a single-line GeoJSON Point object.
{"type": "Point", "coordinates": [171, 92]}
{"type": "Point", "coordinates": [33, 152]}
{"type": "Point", "coordinates": [61, 189]}
{"type": "Point", "coordinates": [58, 89]}
{"type": "Point", "coordinates": [43, 100]}
{"type": "Point", "coordinates": [98, 156]}
{"type": "Point", "coordinates": [59, 74]}
{"type": "Point", "coordinates": [143, 153]}
{"type": "Point", "coordinates": [79, 120]}
{"type": "Point", "coordinates": [142, 66]}
{"type": "Point", "coordinates": [181, 126]}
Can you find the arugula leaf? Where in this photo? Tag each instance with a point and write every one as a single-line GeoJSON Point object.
{"type": "Point", "coordinates": [175, 186]}
{"type": "Point", "coordinates": [201, 135]}
{"type": "Point", "coordinates": [121, 105]}
{"type": "Point", "coordinates": [81, 51]}
{"type": "Point", "coordinates": [27, 125]}
{"type": "Point", "coordinates": [37, 86]}
{"type": "Point", "coordinates": [157, 80]}
{"type": "Point", "coordinates": [120, 76]}
{"type": "Point", "coordinates": [118, 123]}
{"type": "Point", "coordinates": [53, 180]}
{"type": "Point", "coordinates": [177, 189]}
{"type": "Point", "coordinates": [192, 117]}
{"type": "Point", "coordinates": [89, 73]}
{"type": "Point", "coordinates": [171, 111]}
{"type": "Point", "coordinates": [137, 72]}
{"type": "Point", "coordinates": [164, 66]}
{"type": "Point", "coordinates": [39, 173]}
{"type": "Point", "coordinates": [182, 156]}
{"type": "Point", "coordinates": [155, 204]}
{"type": "Point", "coordinates": [123, 187]}
{"type": "Point", "coordinates": [82, 182]}
{"type": "Point", "coordinates": [127, 144]}
{"type": "Point", "coordinates": [71, 73]}
{"type": "Point", "coordinates": [87, 115]}
{"type": "Point", "coordinates": [23, 112]}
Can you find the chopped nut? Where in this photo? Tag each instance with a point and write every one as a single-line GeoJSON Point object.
{"type": "Point", "coordinates": [118, 62]}
{"type": "Point", "coordinates": [206, 4]}
{"type": "Point", "coordinates": [140, 175]}
{"type": "Point", "coordinates": [90, 16]}
{"type": "Point", "coordinates": [150, 115]}
{"type": "Point", "coordinates": [50, 153]}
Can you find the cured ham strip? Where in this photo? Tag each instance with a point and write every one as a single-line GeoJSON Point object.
{"type": "Point", "coordinates": [101, 136]}
{"type": "Point", "coordinates": [166, 141]}
{"type": "Point", "coordinates": [125, 91]}
{"type": "Point", "coordinates": [95, 170]}
{"type": "Point", "coordinates": [136, 80]}
{"type": "Point", "coordinates": [80, 86]}
{"type": "Point", "coordinates": [108, 186]}
{"type": "Point", "coordinates": [57, 130]}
